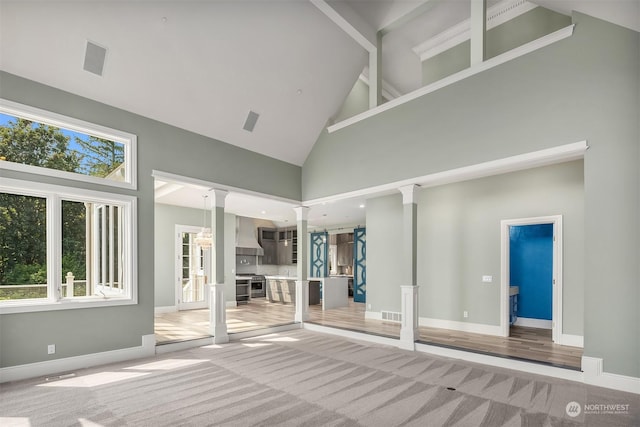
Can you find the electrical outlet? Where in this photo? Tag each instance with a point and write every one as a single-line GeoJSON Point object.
{"type": "Point", "coordinates": [487, 279]}
{"type": "Point", "coordinates": [465, 314]}
{"type": "Point", "coordinates": [51, 349]}
{"type": "Point", "coordinates": [368, 306]}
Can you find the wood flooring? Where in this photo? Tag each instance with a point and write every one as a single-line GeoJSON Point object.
{"type": "Point", "coordinates": [530, 344]}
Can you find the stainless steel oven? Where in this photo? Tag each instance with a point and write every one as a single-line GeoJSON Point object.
{"type": "Point", "coordinates": [258, 286]}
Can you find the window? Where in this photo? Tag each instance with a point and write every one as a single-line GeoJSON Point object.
{"type": "Point", "coordinates": [45, 143]}
{"type": "Point", "coordinates": [64, 247]}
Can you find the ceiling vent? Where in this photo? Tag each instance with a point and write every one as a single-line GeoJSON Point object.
{"type": "Point", "coordinates": [250, 123]}
{"type": "Point", "coordinates": [94, 58]}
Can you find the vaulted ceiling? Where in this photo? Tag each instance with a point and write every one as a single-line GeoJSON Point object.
{"type": "Point", "coordinates": [204, 65]}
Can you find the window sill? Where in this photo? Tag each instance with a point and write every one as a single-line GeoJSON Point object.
{"type": "Point", "coordinates": [11, 307]}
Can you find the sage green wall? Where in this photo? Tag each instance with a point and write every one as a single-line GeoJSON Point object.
{"type": "Point", "coordinates": [584, 87]}
{"type": "Point", "coordinates": [166, 218]}
{"type": "Point", "coordinates": [384, 254]}
{"type": "Point", "coordinates": [458, 240]}
{"type": "Point", "coordinates": [24, 337]}
{"type": "Point", "coordinates": [357, 102]}
{"type": "Point", "coordinates": [516, 32]}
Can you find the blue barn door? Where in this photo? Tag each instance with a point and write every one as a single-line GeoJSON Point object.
{"type": "Point", "coordinates": [319, 254]}
{"type": "Point", "coordinates": [359, 265]}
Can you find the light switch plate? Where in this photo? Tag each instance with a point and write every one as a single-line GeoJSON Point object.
{"type": "Point", "coordinates": [487, 279]}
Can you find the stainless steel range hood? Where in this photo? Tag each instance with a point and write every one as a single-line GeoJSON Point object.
{"type": "Point", "coordinates": [247, 237]}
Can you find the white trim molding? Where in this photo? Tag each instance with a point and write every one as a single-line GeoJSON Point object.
{"type": "Point", "coordinates": [526, 48]}
{"type": "Point", "coordinates": [351, 334]}
{"type": "Point", "coordinates": [593, 368]}
{"type": "Point", "coordinates": [572, 340]}
{"type": "Point", "coordinates": [67, 364]}
{"type": "Point", "coordinates": [128, 140]}
{"type": "Point", "coordinates": [476, 328]}
{"type": "Point", "coordinates": [557, 282]}
{"type": "Point", "coordinates": [496, 15]}
{"type": "Point", "coordinates": [548, 156]}
{"type": "Point", "coordinates": [388, 91]}
{"type": "Point", "coordinates": [534, 323]}
{"type": "Point", "coordinates": [502, 362]}
{"type": "Point", "coordinates": [375, 315]}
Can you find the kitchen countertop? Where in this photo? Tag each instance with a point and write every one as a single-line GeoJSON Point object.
{"type": "Point", "coordinates": [281, 277]}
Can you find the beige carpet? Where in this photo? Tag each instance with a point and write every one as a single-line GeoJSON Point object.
{"type": "Point", "coordinates": [302, 378]}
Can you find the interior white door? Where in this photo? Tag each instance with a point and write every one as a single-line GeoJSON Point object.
{"type": "Point", "coordinates": [192, 270]}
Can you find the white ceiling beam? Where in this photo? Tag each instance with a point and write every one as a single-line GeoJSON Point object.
{"type": "Point", "coordinates": [167, 189]}
{"type": "Point", "coordinates": [402, 12]}
{"type": "Point", "coordinates": [350, 22]}
{"type": "Point", "coordinates": [497, 14]}
{"type": "Point", "coordinates": [366, 36]}
{"type": "Point", "coordinates": [388, 91]}
{"type": "Point", "coordinates": [478, 31]}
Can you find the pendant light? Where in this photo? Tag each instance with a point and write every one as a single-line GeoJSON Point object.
{"type": "Point", "coordinates": [204, 238]}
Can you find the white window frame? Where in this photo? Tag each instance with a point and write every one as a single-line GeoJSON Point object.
{"type": "Point", "coordinates": [49, 118]}
{"type": "Point", "coordinates": [54, 194]}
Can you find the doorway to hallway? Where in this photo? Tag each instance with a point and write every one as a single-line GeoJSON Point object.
{"type": "Point", "coordinates": [532, 260]}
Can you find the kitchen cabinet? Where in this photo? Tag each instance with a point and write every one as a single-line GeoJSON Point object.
{"type": "Point", "coordinates": [280, 245]}
{"type": "Point", "coordinates": [267, 237]}
{"type": "Point", "coordinates": [287, 246]}
{"type": "Point", "coordinates": [345, 249]}
{"type": "Point", "coordinates": [283, 290]}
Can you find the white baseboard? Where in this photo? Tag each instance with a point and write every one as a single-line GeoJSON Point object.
{"type": "Point", "coordinates": [32, 370]}
{"type": "Point", "coordinates": [260, 333]}
{"type": "Point", "coordinates": [572, 340]}
{"type": "Point", "coordinates": [375, 315]}
{"type": "Point", "coordinates": [501, 362]}
{"type": "Point", "coordinates": [165, 309]}
{"type": "Point", "coordinates": [594, 374]}
{"type": "Point", "coordinates": [183, 345]}
{"type": "Point", "coordinates": [534, 323]}
{"type": "Point", "coordinates": [351, 334]}
{"type": "Point", "coordinates": [476, 328]}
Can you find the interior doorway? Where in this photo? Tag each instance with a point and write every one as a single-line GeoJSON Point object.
{"type": "Point", "coordinates": [193, 269]}
{"type": "Point", "coordinates": [530, 236]}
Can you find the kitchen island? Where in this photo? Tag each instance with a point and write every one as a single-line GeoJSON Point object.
{"type": "Point", "coordinates": [335, 291]}
{"type": "Point", "coordinates": [282, 289]}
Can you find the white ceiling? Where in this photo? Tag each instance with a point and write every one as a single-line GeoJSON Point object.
{"type": "Point", "coordinates": [281, 213]}
{"type": "Point", "coordinates": [202, 65]}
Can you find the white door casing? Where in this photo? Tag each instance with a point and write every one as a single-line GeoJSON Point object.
{"type": "Point", "coordinates": [201, 298]}
{"type": "Point", "coordinates": [556, 310]}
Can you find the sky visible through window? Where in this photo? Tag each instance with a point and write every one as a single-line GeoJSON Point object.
{"type": "Point", "coordinates": [6, 120]}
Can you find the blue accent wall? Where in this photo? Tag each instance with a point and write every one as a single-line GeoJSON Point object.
{"type": "Point", "coordinates": [531, 268]}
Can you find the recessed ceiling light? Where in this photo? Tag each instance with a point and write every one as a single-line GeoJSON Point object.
{"type": "Point", "coordinates": [263, 212]}
{"type": "Point", "coordinates": [164, 19]}
{"type": "Point", "coordinates": [299, 91]}
{"type": "Point", "coordinates": [362, 206]}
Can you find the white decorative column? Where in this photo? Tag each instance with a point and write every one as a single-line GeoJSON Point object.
{"type": "Point", "coordinates": [217, 303]}
{"type": "Point", "coordinates": [409, 291]}
{"type": "Point", "coordinates": [302, 282]}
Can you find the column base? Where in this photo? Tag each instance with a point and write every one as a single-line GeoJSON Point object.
{"type": "Point", "coordinates": [218, 314]}
{"type": "Point", "coordinates": [302, 301]}
{"type": "Point", "coordinates": [409, 332]}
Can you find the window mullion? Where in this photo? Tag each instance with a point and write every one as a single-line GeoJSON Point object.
{"type": "Point", "coordinates": [54, 248]}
